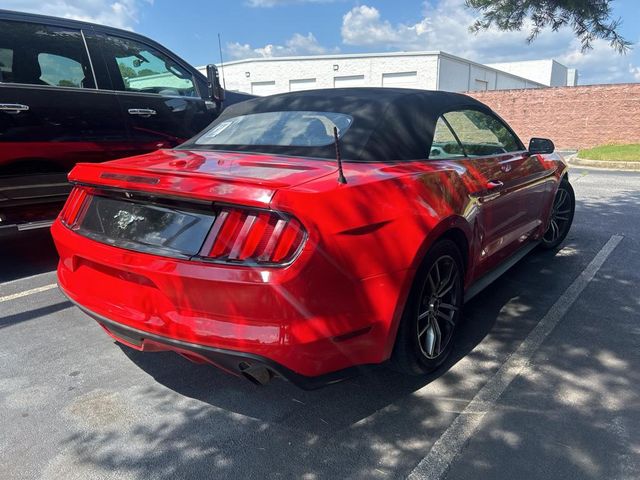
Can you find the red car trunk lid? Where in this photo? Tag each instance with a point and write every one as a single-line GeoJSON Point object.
{"type": "Point", "coordinates": [249, 179]}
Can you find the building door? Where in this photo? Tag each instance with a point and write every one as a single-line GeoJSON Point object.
{"type": "Point", "coordinates": [400, 80]}
{"type": "Point", "coordinates": [262, 89]}
{"type": "Point", "coordinates": [348, 81]}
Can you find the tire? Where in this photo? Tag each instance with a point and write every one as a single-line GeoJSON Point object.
{"type": "Point", "coordinates": [435, 300]}
{"type": "Point", "coordinates": [561, 218]}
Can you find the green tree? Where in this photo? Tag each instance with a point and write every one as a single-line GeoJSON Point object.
{"type": "Point", "coordinates": [126, 71]}
{"type": "Point", "coordinates": [589, 19]}
{"type": "Point", "coordinates": [145, 72]}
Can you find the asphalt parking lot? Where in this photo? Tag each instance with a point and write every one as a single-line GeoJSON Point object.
{"type": "Point", "coordinates": [543, 383]}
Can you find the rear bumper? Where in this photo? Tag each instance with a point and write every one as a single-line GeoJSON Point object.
{"type": "Point", "coordinates": [236, 363]}
{"type": "Point", "coordinates": [310, 319]}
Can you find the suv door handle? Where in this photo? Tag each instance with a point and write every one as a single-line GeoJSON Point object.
{"type": "Point", "coordinates": [13, 107]}
{"type": "Point", "coordinates": [142, 112]}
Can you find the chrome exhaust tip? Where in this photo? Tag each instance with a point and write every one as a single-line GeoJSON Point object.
{"type": "Point", "coordinates": [257, 374]}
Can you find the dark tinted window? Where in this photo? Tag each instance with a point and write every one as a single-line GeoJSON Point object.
{"type": "Point", "coordinates": [6, 64]}
{"type": "Point", "coordinates": [482, 134]}
{"type": "Point", "coordinates": [60, 70]}
{"type": "Point", "coordinates": [302, 129]}
{"type": "Point", "coordinates": [137, 67]}
{"type": "Point", "coordinates": [43, 55]}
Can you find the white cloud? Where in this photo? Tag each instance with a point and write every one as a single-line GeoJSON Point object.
{"type": "Point", "coordinates": [363, 25]}
{"type": "Point", "coordinates": [297, 45]}
{"type": "Point", "coordinates": [115, 13]}
{"type": "Point", "coordinates": [445, 26]}
{"type": "Point", "coordinates": [600, 65]}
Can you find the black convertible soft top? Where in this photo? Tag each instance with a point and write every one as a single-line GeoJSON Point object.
{"type": "Point", "coordinates": [388, 123]}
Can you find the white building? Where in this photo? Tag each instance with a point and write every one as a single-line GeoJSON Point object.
{"type": "Point", "coordinates": [548, 72]}
{"type": "Point", "coordinates": [423, 70]}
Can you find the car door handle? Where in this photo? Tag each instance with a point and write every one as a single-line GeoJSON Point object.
{"type": "Point", "coordinates": [491, 192]}
{"type": "Point", "coordinates": [142, 112]}
{"type": "Point", "coordinates": [13, 107]}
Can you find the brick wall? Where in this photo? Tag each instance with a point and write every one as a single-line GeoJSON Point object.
{"type": "Point", "coordinates": [573, 117]}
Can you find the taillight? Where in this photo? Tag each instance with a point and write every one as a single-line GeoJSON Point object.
{"type": "Point", "coordinates": [247, 236]}
{"type": "Point", "coordinates": [73, 207]}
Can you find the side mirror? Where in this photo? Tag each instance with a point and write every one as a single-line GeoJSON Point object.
{"type": "Point", "coordinates": [216, 92]}
{"type": "Point", "coordinates": [541, 146]}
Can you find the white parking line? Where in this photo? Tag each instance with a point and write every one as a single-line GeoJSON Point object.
{"type": "Point", "coordinates": [26, 279]}
{"type": "Point", "coordinates": [28, 292]}
{"type": "Point", "coordinates": [444, 451]}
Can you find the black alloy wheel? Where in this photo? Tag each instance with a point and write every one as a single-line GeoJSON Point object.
{"type": "Point", "coordinates": [562, 211]}
{"type": "Point", "coordinates": [438, 307]}
{"type": "Point", "coordinates": [425, 336]}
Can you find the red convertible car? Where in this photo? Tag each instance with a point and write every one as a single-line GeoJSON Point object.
{"type": "Point", "coordinates": [306, 234]}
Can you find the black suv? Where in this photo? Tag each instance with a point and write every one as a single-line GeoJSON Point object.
{"type": "Point", "coordinates": [72, 91]}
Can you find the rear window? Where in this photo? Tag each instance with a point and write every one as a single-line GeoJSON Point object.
{"type": "Point", "coordinates": [36, 54]}
{"type": "Point", "coordinates": [61, 71]}
{"type": "Point", "coordinates": [300, 129]}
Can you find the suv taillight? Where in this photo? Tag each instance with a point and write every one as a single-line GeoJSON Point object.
{"type": "Point", "coordinates": [71, 210]}
{"type": "Point", "coordinates": [243, 236]}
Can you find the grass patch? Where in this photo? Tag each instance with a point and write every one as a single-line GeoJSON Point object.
{"type": "Point", "coordinates": [621, 153]}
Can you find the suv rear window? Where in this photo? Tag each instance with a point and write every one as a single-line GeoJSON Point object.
{"type": "Point", "coordinates": [36, 54]}
{"type": "Point", "coordinates": [59, 70]}
{"type": "Point", "coordinates": [295, 128]}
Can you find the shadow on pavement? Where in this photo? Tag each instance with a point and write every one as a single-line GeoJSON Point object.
{"type": "Point", "coordinates": [32, 314]}
{"type": "Point", "coordinates": [23, 254]}
{"type": "Point", "coordinates": [380, 423]}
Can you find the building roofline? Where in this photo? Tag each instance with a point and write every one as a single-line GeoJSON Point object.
{"type": "Point", "coordinates": [552, 60]}
{"type": "Point", "coordinates": [338, 56]}
{"type": "Point", "coordinates": [333, 56]}
{"type": "Point", "coordinates": [488, 66]}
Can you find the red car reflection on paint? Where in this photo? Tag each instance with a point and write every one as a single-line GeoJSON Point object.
{"type": "Point", "coordinates": [246, 248]}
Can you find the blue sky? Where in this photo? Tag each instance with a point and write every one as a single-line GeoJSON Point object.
{"type": "Point", "coordinates": [254, 28]}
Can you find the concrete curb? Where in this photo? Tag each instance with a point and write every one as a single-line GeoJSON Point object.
{"type": "Point", "coordinates": [604, 164]}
